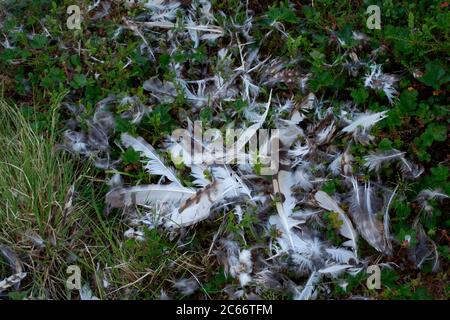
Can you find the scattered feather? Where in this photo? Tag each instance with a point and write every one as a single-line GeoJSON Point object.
{"type": "Point", "coordinates": [346, 230]}
{"type": "Point", "coordinates": [12, 281]}
{"type": "Point", "coordinates": [154, 164]}
{"type": "Point", "coordinates": [186, 286]}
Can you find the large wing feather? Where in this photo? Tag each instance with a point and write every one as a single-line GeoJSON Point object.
{"type": "Point", "coordinates": [171, 194]}
{"type": "Point", "coordinates": [346, 229]}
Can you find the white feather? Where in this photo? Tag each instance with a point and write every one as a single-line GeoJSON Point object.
{"type": "Point", "coordinates": [341, 255]}
{"type": "Point", "coordinates": [346, 229]}
{"type": "Point", "coordinates": [374, 160]}
{"type": "Point", "coordinates": [410, 169]}
{"type": "Point", "coordinates": [234, 186]}
{"type": "Point", "coordinates": [335, 270]}
{"type": "Point", "coordinates": [12, 280]}
{"type": "Point", "coordinates": [165, 92]}
{"type": "Point", "coordinates": [432, 194]}
{"type": "Point", "coordinates": [236, 148]}
{"type": "Point", "coordinates": [303, 179]}
{"type": "Point", "coordinates": [303, 263]}
{"type": "Point", "coordinates": [365, 121]}
{"type": "Point", "coordinates": [155, 165]}
{"type": "Point", "coordinates": [386, 220]}
{"type": "Point", "coordinates": [299, 150]}
{"type": "Point", "coordinates": [289, 131]}
{"type": "Point", "coordinates": [309, 288]}
{"type": "Point", "coordinates": [335, 165]}
{"type": "Point", "coordinates": [143, 195]}
{"type": "Point", "coordinates": [244, 279]}
{"type": "Point", "coordinates": [283, 225]}
{"type": "Point", "coordinates": [198, 208]}
{"type": "Point", "coordinates": [283, 185]}
{"type": "Point", "coordinates": [324, 135]}
{"type": "Point", "coordinates": [376, 79]}
{"type": "Point", "coordinates": [198, 172]}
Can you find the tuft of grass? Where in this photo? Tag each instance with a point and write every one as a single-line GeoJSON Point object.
{"type": "Point", "coordinates": [48, 234]}
{"type": "Point", "coordinates": [34, 185]}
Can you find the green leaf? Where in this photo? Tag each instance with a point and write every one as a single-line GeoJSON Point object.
{"type": "Point", "coordinates": [438, 131]}
{"type": "Point", "coordinates": [385, 144]}
{"type": "Point", "coordinates": [410, 20]}
{"type": "Point", "coordinates": [39, 41]}
{"type": "Point", "coordinates": [240, 105]}
{"type": "Point", "coordinates": [216, 282]}
{"type": "Point", "coordinates": [159, 120]}
{"type": "Point", "coordinates": [359, 95]}
{"type": "Point", "coordinates": [421, 294]}
{"type": "Point", "coordinates": [53, 78]}
{"type": "Point", "coordinates": [283, 13]}
{"type": "Point", "coordinates": [9, 54]}
{"type": "Point", "coordinates": [434, 132]}
{"type": "Point", "coordinates": [317, 56]}
{"type": "Point", "coordinates": [322, 79]}
{"type": "Point", "coordinates": [78, 81]}
{"type": "Point", "coordinates": [423, 112]}
{"type": "Point", "coordinates": [394, 119]}
{"type": "Point", "coordinates": [75, 60]}
{"type": "Point", "coordinates": [402, 210]}
{"type": "Point", "coordinates": [444, 251]}
{"type": "Point", "coordinates": [408, 102]}
{"type": "Point", "coordinates": [329, 187]}
{"type": "Point", "coordinates": [435, 75]}
{"type": "Point", "coordinates": [200, 54]}
{"type": "Point", "coordinates": [389, 277]}
{"type": "Point", "coordinates": [164, 61]}
{"type": "Point", "coordinates": [130, 156]}
{"type": "Point", "coordinates": [440, 173]}
{"type": "Point", "coordinates": [123, 125]}
{"type": "Point", "coordinates": [206, 114]}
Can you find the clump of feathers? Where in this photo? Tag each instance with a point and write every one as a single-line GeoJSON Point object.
{"type": "Point", "coordinates": [292, 204]}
